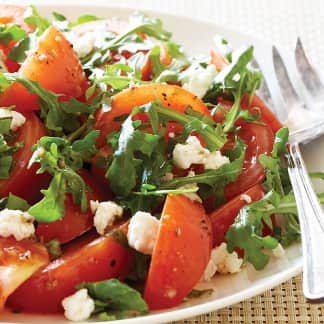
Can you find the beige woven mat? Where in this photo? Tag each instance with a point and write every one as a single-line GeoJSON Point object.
{"type": "Point", "coordinates": [280, 305]}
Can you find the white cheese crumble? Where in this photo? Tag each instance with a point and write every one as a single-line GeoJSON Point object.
{"type": "Point", "coordinates": [198, 79]}
{"type": "Point", "coordinates": [279, 251]}
{"type": "Point", "coordinates": [42, 57]}
{"type": "Point", "coordinates": [223, 262]}
{"type": "Point", "coordinates": [142, 232]}
{"type": "Point", "coordinates": [3, 68]}
{"type": "Point", "coordinates": [16, 223]}
{"type": "Point", "coordinates": [192, 152]}
{"type": "Point", "coordinates": [79, 306]}
{"type": "Point", "coordinates": [17, 119]}
{"type": "Point", "coordinates": [106, 213]}
{"type": "Point", "coordinates": [84, 44]}
{"type": "Point", "coordinates": [246, 198]}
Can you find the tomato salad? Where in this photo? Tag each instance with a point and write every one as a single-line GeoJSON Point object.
{"type": "Point", "coordinates": [129, 171]}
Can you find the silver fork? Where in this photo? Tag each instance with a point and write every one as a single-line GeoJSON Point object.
{"type": "Point", "coordinates": [309, 209]}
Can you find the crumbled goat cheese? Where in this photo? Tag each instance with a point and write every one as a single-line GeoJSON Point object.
{"type": "Point", "coordinates": [142, 232]}
{"type": "Point", "coordinates": [279, 251]}
{"type": "Point", "coordinates": [16, 223]}
{"type": "Point", "coordinates": [246, 198]}
{"type": "Point", "coordinates": [3, 68]}
{"type": "Point", "coordinates": [215, 160]}
{"type": "Point", "coordinates": [198, 79]}
{"type": "Point", "coordinates": [106, 213]}
{"type": "Point", "coordinates": [223, 262]}
{"type": "Point", "coordinates": [79, 306]}
{"type": "Point", "coordinates": [84, 44]}
{"type": "Point", "coordinates": [17, 119]}
{"type": "Point", "coordinates": [192, 152]}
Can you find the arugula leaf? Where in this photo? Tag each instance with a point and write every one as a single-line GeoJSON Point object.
{"type": "Point", "coordinates": [6, 150]}
{"type": "Point", "coordinates": [11, 32]}
{"type": "Point", "coordinates": [83, 19]}
{"type": "Point", "coordinates": [122, 171]}
{"type": "Point", "coordinates": [35, 19]}
{"type": "Point", "coordinates": [61, 159]}
{"type": "Point", "coordinates": [60, 117]}
{"type": "Point", "coordinates": [114, 299]}
{"type": "Point", "coordinates": [237, 79]}
{"type": "Point", "coordinates": [214, 137]}
{"type": "Point", "coordinates": [16, 203]}
{"type": "Point", "coordinates": [139, 23]}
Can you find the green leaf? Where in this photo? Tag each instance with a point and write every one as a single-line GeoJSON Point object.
{"type": "Point", "coordinates": [122, 172]}
{"type": "Point", "coordinates": [281, 139]}
{"type": "Point", "coordinates": [16, 203]}
{"type": "Point", "coordinates": [11, 32]}
{"type": "Point", "coordinates": [18, 52]}
{"type": "Point", "coordinates": [112, 295]}
{"type": "Point", "coordinates": [51, 207]}
{"type": "Point", "coordinates": [83, 19]}
{"type": "Point", "coordinates": [35, 19]}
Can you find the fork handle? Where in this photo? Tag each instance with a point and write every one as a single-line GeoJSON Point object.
{"type": "Point", "coordinates": [312, 226]}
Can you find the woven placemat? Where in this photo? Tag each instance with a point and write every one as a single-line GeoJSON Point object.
{"type": "Point", "coordinates": [280, 305]}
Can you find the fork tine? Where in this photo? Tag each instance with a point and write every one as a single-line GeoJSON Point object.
{"type": "Point", "coordinates": [287, 89]}
{"type": "Point", "coordinates": [308, 74]}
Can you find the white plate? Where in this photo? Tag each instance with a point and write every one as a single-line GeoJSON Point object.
{"type": "Point", "coordinates": [196, 36]}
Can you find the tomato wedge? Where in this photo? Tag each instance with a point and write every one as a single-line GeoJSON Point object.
{"type": "Point", "coordinates": [181, 252]}
{"type": "Point", "coordinates": [122, 103]}
{"type": "Point", "coordinates": [259, 139]}
{"type": "Point", "coordinates": [53, 56]}
{"type": "Point", "coordinates": [74, 223]}
{"type": "Point", "coordinates": [18, 261]}
{"type": "Point", "coordinates": [21, 178]}
{"type": "Point", "coordinates": [94, 260]}
{"type": "Point", "coordinates": [223, 217]}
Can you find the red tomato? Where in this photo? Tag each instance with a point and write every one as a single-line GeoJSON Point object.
{"type": "Point", "coordinates": [122, 103]}
{"type": "Point", "coordinates": [54, 56]}
{"type": "Point", "coordinates": [19, 260]}
{"type": "Point", "coordinates": [267, 115]}
{"type": "Point", "coordinates": [181, 253]}
{"type": "Point", "coordinates": [259, 139]}
{"type": "Point", "coordinates": [99, 259]}
{"type": "Point", "coordinates": [74, 223]}
{"type": "Point", "coordinates": [21, 178]}
{"type": "Point", "coordinates": [223, 217]}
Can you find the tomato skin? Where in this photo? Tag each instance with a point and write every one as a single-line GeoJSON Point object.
{"type": "Point", "coordinates": [74, 223]}
{"type": "Point", "coordinates": [267, 115]}
{"type": "Point", "coordinates": [259, 139]}
{"type": "Point", "coordinates": [122, 103]}
{"type": "Point", "coordinates": [21, 177]}
{"type": "Point", "coordinates": [53, 56]}
{"type": "Point", "coordinates": [19, 260]}
{"type": "Point", "coordinates": [181, 253]}
{"type": "Point", "coordinates": [223, 217]}
{"type": "Point", "coordinates": [99, 259]}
